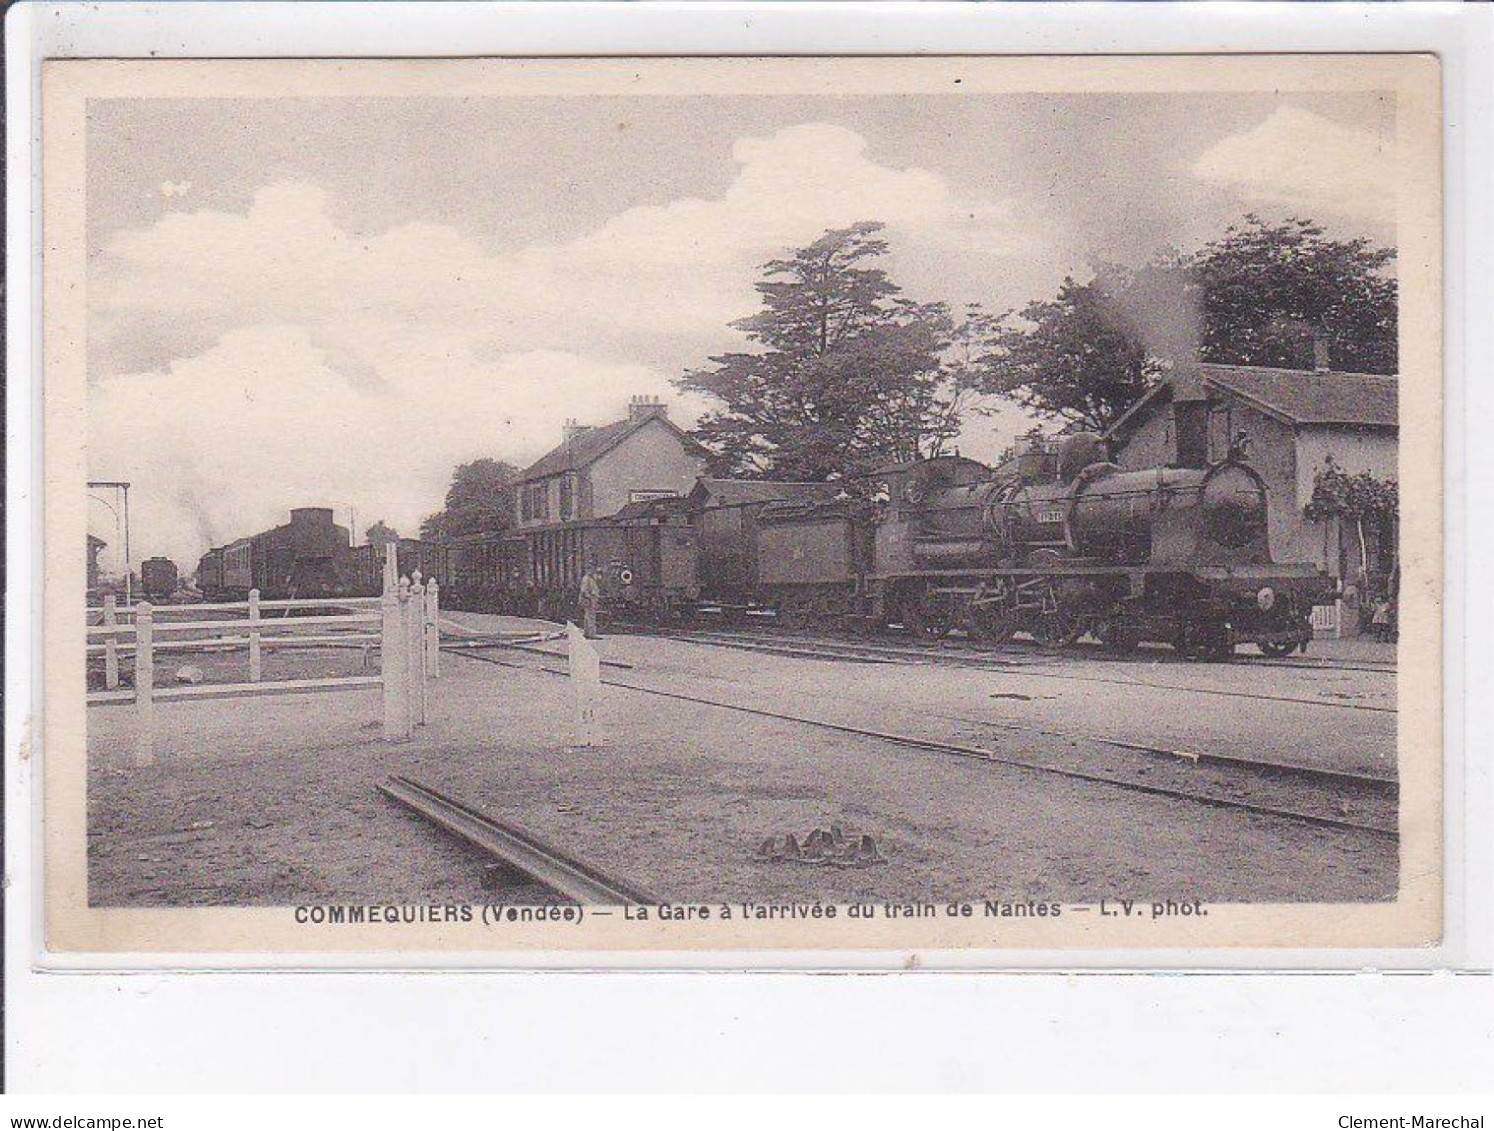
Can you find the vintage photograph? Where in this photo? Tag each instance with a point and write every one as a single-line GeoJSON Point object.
{"type": "Point", "coordinates": [748, 503]}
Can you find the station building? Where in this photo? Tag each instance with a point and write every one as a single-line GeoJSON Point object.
{"type": "Point", "coordinates": [596, 471]}
{"type": "Point", "coordinates": [95, 544]}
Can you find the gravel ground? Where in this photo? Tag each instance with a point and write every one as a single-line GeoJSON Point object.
{"type": "Point", "coordinates": [1175, 706]}
{"type": "Point", "coordinates": [232, 665]}
{"type": "Point", "coordinates": [274, 800]}
{"type": "Point", "coordinates": [265, 802]}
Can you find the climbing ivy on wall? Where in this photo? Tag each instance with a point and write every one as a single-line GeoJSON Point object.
{"type": "Point", "coordinates": [1359, 498]}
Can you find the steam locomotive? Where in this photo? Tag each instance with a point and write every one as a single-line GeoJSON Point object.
{"type": "Point", "coordinates": [1062, 545]}
{"type": "Point", "coordinates": [1059, 544]}
{"type": "Point", "coordinates": [309, 556]}
{"type": "Point", "coordinates": [1070, 544]}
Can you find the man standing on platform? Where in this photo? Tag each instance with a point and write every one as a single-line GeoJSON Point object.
{"type": "Point", "coordinates": [591, 600]}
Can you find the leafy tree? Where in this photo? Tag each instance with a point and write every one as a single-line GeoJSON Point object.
{"type": "Point", "coordinates": [847, 372]}
{"type": "Point", "coordinates": [1074, 357]}
{"type": "Point", "coordinates": [479, 501]}
{"type": "Point", "coordinates": [1267, 288]}
{"type": "Point", "coordinates": [1359, 498]}
{"type": "Point", "coordinates": [1255, 296]}
{"type": "Point", "coordinates": [380, 534]}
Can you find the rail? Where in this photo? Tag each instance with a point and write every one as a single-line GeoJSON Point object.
{"type": "Point", "coordinates": [585, 883]}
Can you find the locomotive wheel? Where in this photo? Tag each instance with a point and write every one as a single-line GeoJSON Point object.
{"type": "Point", "coordinates": [991, 625]}
{"type": "Point", "coordinates": [791, 613]}
{"type": "Point", "coordinates": [1057, 630]}
{"type": "Point", "coordinates": [926, 618]}
{"type": "Point", "coordinates": [1221, 649]}
{"type": "Point", "coordinates": [1204, 642]}
{"type": "Point", "coordinates": [1117, 637]}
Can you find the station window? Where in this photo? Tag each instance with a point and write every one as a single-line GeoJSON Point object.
{"type": "Point", "coordinates": [567, 501]}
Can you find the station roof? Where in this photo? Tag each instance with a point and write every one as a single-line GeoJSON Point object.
{"type": "Point", "coordinates": [585, 448]}
{"type": "Point", "coordinates": [736, 492]}
{"type": "Point", "coordinates": [1303, 397]}
{"type": "Point", "coordinates": [949, 459]}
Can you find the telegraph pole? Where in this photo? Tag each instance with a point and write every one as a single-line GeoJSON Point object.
{"type": "Point", "coordinates": [124, 489]}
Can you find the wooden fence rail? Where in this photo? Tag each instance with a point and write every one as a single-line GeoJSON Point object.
{"type": "Point", "coordinates": [403, 622]}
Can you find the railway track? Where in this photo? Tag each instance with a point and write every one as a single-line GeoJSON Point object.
{"type": "Point", "coordinates": [1338, 800]}
{"type": "Point", "coordinates": [1015, 652]}
{"type": "Point", "coordinates": [583, 882]}
{"type": "Point", "coordinates": [871, 652]}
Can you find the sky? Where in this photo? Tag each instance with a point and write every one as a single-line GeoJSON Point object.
{"type": "Point", "coordinates": [333, 302]}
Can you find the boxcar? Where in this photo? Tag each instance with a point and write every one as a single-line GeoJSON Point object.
{"type": "Point", "coordinates": [368, 565]}
{"type": "Point", "coordinates": [654, 575]}
{"type": "Point", "coordinates": [727, 514]}
{"type": "Point", "coordinates": [210, 573]}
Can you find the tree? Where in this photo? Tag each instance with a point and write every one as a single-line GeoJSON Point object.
{"type": "Point", "coordinates": [1256, 296]}
{"type": "Point", "coordinates": [479, 501]}
{"type": "Point", "coordinates": [1359, 499]}
{"type": "Point", "coordinates": [847, 373]}
{"type": "Point", "coordinates": [1268, 288]}
{"type": "Point", "coordinates": [380, 534]}
{"type": "Point", "coordinates": [1074, 357]}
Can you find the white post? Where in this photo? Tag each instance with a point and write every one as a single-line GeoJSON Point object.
{"type": "Point", "coordinates": [432, 629]}
{"type": "Point", "coordinates": [393, 653]}
{"type": "Point", "coordinates": [145, 680]}
{"type": "Point", "coordinates": [254, 656]}
{"type": "Point", "coordinates": [415, 627]}
{"type": "Point", "coordinates": [111, 645]}
{"type": "Point", "coordinates": [586, 685]}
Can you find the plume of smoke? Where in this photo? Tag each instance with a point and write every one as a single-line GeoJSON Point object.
{"type": "Point", "coordinates": [1158, 305]}
{"type": "Point", "coordinates": [186, 498]}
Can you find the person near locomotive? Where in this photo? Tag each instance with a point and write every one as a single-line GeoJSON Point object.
{"type": "Point", "coordinates": [591, 600]}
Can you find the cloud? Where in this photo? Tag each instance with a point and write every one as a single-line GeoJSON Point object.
{"type": "Point", "coordinates": [247, 362]}
{"type": "Point", "coordinates": [224, 444]}
{"type": "Point", "coordinates": [1307, 163]}
{"type": "Point", "coordinates": [679, 269]}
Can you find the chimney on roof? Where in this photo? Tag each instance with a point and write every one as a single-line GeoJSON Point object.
{"type": "Point", "coordinates": [570, 429]}
{"type": "Point", "coordinates": [642, 407]}
{"type": "Point", "coordinates": [1320, 358]}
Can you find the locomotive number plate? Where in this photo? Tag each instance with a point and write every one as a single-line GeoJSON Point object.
{"type": "Point", "coordinates": [1051, 514]}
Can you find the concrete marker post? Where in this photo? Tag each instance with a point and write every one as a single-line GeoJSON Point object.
{"type": "Point", "coordinates": [392, 657]}
{"type": "Point", "coordinates": [145, 680]}
{"type": "Point", "coordinates": [586, 685]}
{"type": "Point", "coordinates": [415, 626]}
{"type": "Point", "coordinates": [255, 662]}
{"type": "Point", "coordinates": [432, 629]}
{"type": "Point", "coordinates": [111, 645]}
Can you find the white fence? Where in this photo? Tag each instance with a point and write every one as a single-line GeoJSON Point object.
{"type": "Point", "coordinates": [403, 623]}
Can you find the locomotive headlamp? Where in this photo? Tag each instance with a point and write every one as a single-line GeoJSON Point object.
{"type": "Point", "coordinates": [626, 577]}
{"type": "Point", "coordinates": [1266, 598]}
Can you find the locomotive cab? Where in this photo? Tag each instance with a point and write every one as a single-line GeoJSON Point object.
{"type": "Point", "coordinates": [930, 512]}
